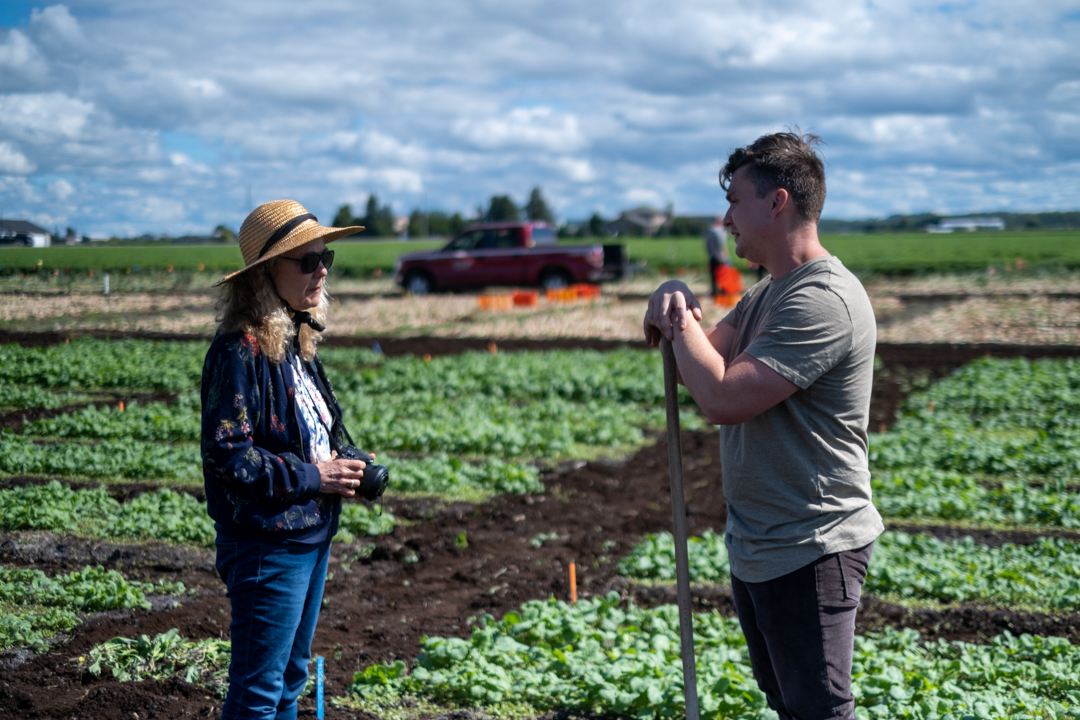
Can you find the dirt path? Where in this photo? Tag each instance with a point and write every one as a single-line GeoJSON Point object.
{"type": "Point", "coordinates": [1024, 308]}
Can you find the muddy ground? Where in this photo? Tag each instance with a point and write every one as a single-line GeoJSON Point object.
{"type": "Point", "coordinates": [419, 581]}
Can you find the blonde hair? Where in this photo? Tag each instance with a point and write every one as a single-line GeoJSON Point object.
{"type": "Point", "coordinates": [249, 303]}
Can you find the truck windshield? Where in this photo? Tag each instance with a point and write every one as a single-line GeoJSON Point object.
{"type": "Point", "coordinates": [466, 241]}
{"type": "Point", "coordinates": [501, 238]}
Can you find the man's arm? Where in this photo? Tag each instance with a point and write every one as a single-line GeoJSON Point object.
{"type": "Point", "coordinates": [729, 391]}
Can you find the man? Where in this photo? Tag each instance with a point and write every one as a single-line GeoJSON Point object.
{"type": "Point", "coordinates": [787, 375]}
{"type": "Point", "coordinates": [716, 247]}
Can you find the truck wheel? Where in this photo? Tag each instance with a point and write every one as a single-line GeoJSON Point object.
{"type": "Point", "coordinates": [417, 283]}
{"type": "Point", "coordinates": [554, 279]}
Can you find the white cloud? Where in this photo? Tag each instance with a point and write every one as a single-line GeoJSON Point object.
{"type": "Point", "coordinates": [402, 180]}
{"type": "Point", "coordinates": [578, 170]}
{"type": "Point", "coordinates": [22, 66]}
{"type": "Point", "coordinates": [643, 196]}
{"type": "Point", "coordinates": [52, 117]}
{"type": "Point", "coordinates": [182, 161]}
{"type": "Point", "coordinates": [350, 176]}
{"type": "Point", "coordinates": [13, 162]}
{"type": "Point", "coordinates": [381, 147]}
{"type": "Point", "coordinates": [62, 189]}
{"type": "Point", "coordinates": [604, 105]}
{"type": "Point", "coordinates": [539, 127]}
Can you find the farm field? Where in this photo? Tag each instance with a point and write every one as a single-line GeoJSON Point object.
{"type": "Point", "coordinates": [559, 460]}
{"type": "Point", "coordinates": [465, 565]}
{"type": "Point", "coordinates": [884, 254]}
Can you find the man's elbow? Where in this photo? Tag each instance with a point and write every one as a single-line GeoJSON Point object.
{"type": "Point", "coordinates": [726, 415]}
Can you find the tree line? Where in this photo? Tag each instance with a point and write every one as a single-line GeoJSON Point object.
{"type": "Point", "coordinates": [378, 220]}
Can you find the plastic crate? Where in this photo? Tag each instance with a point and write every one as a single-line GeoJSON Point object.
{"type": "Point", "coordinates": [526, 298]}
{"type": "Point", "coordinates": [496, 302]}
{"type": "Point", "coordinates": [565, 295]}
{"type": "Point", "coordinates": [586, 291]}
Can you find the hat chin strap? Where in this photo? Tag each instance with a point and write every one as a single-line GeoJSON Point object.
{"type": "Point", "coordinates": [300, 317]}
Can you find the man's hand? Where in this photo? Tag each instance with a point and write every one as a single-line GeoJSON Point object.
{"type": "Point", "coordinates": [342, 477]}
{"type": "Point", "coordinates": [671, 306]}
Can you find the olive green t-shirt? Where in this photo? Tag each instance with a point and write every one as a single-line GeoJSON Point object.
{"type": "Point", "coordinates": [796, 477]}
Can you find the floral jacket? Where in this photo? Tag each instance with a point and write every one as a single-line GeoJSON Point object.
{"type": "Point", "coordinates": [259, 485]}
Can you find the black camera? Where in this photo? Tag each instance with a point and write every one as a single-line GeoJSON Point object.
{"type": "Point", "coordinates": [376, 477]}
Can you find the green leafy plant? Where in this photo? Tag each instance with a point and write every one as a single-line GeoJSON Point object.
{"type": "Point", "coordinates": [357, 519]}
{"type": "Point", "coordinates": [166, 655]}
{"type": "Point", "coordinates": [601, 656]}
{"type": "Point", "coordinates": [162, 515]}
{"type": "Point", "coordinates": [908, 569]}
{"type": "Point", "coordinates": [995, 443]}
{"type": "Point", "coordinates": [35, 607]}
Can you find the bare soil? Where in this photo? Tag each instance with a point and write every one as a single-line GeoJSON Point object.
{"type": "Point", "coordinates": [418, 581]}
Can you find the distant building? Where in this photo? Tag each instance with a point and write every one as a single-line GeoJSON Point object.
{"type": "Point", "coordinates": [966, 224]}
{"type": "Point", "coordinates": [641, 221]}
{"type": "Point", "coordinates": [21, 232]}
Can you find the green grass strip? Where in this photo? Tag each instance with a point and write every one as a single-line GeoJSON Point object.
{"type": "Point", "coordinates": [601, 656]}
{"type": "Point", "coordinates": [35, 607]}
{"type": "Point", "coordinates": [164, 515]}
{"type": "Point", "coordinates": [885, 253]}
{"type": "Point", "coordinates": [937, 496]}
{"type": "Point", "coordinates": [87, 364]}
{"type": "Point", "coordinates": [992, 417]}
{"type": "Point", "coordinates": [107, 460]}
{"type": "Point", "coordinates": [451, 478]}
{"type": "Point", "coordinates": [353, 259]}
{"type": "Point", "coordinates": [177, 422]}
{"type": "Point", "coordinates": [919, 569]}
{"type": "Point", "coordinates": [21, 397]}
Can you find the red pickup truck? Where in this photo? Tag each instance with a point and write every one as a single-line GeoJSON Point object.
{"type": "Point", "coordinates": [508, 253]}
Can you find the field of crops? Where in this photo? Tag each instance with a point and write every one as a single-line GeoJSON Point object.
{"type": "Point", "coordinates": [507, 466]}
{"type": "Point", "coordinates": [885, 254]}
{"type": "Point", "coordinates": [352, 258]}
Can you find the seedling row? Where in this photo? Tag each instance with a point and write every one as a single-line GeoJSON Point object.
{"type": "Point", "coordinates": [994, 446]}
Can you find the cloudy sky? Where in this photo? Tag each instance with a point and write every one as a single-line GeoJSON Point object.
{"type": "Point", "coordinates": [121, 117]}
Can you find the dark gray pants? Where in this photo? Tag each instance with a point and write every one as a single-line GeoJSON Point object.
{"type": "Point", "coordinates": [800, 630]}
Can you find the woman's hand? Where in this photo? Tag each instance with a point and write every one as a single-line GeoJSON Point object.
{"type": "Point", "coordinates": [341, 476]}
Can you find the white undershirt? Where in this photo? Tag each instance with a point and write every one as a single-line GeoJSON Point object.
{"type": "Point", "coordinates": [314, 413]}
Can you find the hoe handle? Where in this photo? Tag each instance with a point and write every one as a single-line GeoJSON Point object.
{"type": "Point", "coordinates": [678, 515]}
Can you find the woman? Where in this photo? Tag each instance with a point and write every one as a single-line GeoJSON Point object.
{"type": "Point", "coordinates": [270, 430]}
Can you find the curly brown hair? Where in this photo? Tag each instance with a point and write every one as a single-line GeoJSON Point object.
{"type": "Point", "coordinates": [250, 303]}
{"type": "Point", "coordinates": [783, 160]}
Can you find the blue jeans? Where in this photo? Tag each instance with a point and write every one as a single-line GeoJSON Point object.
{"type": "Point", "coordinates": [275, 591]}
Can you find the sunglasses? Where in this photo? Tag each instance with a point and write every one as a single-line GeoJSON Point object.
{"type": "Point", "coordinates": [309, 263]}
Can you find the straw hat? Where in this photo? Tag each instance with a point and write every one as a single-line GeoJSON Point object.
{"type": "Point", "coordinates": [277, 227]}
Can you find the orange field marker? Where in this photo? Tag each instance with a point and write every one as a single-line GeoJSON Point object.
{"type": "Point", "coordinates": [121, 406]}
{"type": "Point", "coordinates": [573, 584]}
